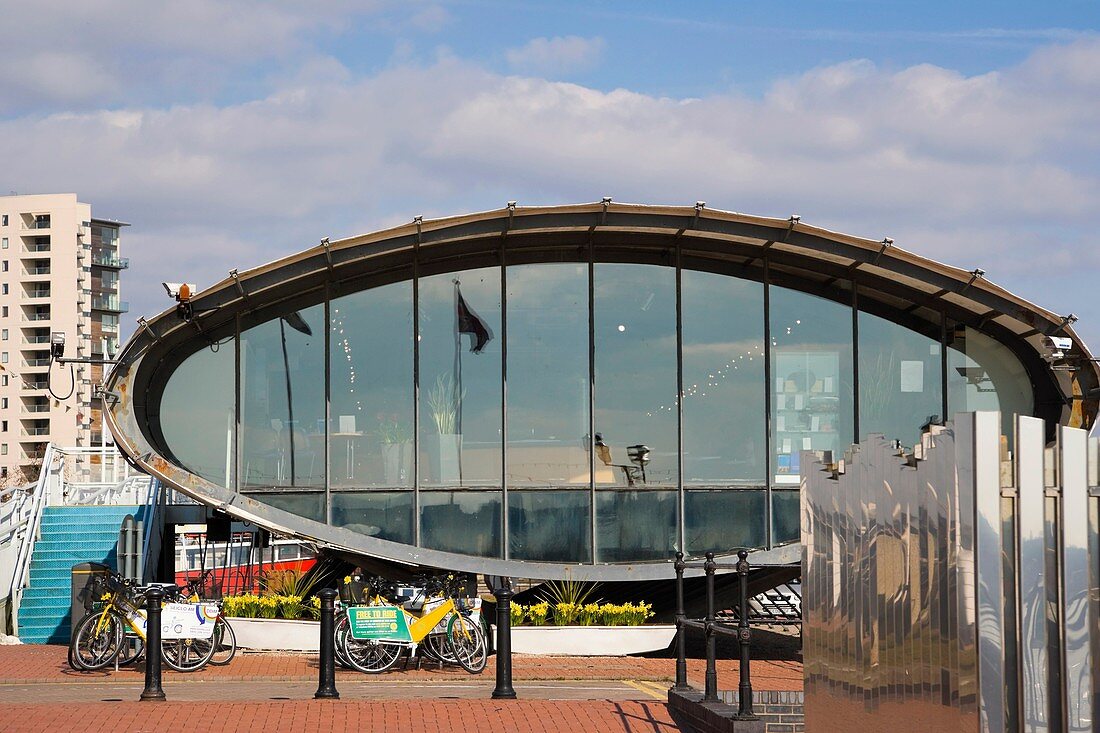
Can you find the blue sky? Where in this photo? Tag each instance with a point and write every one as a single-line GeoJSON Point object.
{"type": "Point", "coordinates": [231, 134]}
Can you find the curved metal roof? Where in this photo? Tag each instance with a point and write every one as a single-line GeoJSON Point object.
{"type": "Point", "coordinates": [786, 251]}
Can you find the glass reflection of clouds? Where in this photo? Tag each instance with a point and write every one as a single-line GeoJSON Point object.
{"type": "Point", "coordinates": [549, 422]}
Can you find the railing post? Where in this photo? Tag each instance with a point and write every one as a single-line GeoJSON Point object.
{"type": "Point", "coordinates": [681, 632]}
{"type": "Point", "coordinates": [326, 675]}
{"type": "Point", "coordinates": [744, 636]}
{"type": "Point", "coordinates": [710, 690]}
{"type": "Point", "coordinates": [503, 593]}
{"type": "Point", "coordinates": [153, 689]}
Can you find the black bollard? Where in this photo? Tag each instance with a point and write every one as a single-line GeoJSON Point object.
{"type": "Point", "coordinates": [504, 595]}
{"type": "Point", "coordinates": [710, 690]}
{"type": "Point", "coordinates": [744, 636]}
{"type": "Point", "coordinates": [326, 682]}
{"type": "Point", "coordinates": [681, 642]}
{"type": "Point", "coordinates": [153, 689]}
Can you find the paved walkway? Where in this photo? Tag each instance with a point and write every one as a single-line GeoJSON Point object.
{"type": "Point", "coordinates": [273, 693]}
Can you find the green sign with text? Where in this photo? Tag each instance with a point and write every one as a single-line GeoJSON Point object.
{"type": "Point", "coordinates": [378, 622]}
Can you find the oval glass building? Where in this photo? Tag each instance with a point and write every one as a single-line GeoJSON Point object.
{"type": "Point", "coordinates": [570, 391]}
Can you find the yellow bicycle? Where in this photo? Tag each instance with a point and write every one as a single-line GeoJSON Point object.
{"type": "Point", "coordinates": [118, 630]}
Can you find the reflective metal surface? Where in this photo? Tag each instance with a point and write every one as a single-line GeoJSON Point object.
{"type": "Point", "coordinates": [1076, 655]}
{"type": "Point", "coordinates": [1032, 585]}
{"type": "Point", "coordinates": [938, 599]}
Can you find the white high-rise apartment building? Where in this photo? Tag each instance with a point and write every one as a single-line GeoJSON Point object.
{"type": "Point", "coordinates": [59, 272]}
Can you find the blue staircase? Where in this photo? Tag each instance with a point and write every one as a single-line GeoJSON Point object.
{"type": "Point", "coordinates": [69, 535]}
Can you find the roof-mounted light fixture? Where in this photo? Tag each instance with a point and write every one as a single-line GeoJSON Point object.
{"type": "Point", "coordinates": [606, 201]}
{"type": "Point", "coordinates": [328, 251]}
{"type": "Point", "coordinates": [511, 206]}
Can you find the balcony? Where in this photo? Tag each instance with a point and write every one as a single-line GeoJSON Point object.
{"type": "Point", "coordinates": [37, 340]}
{"type": "Point", "coordinates": [42, 222]}
{"type": "Point", "coordinates": [36, 431]}
{"type": "Point", "coordinates": [36, 408]}
{"type": "Point", "coordinates": [38, 317]}
{"type": "Point", "coordinates": [38, 270]}
{"type": "Point", "coordinates": [34, 363]}
{"type": "Point", "coordinates": [43, 293]}
{"type": "Point", "coordinates": [35, 385]}
{"type": "Point", "coordinates": [37, 248]}
{"type": "Point", "coordinates": [108, 260]}
{"type": "Point", "coordinates": [109, 303]}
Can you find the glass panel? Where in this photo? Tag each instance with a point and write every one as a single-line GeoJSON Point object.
{"type": "Point", "coordinates": [811, 378]}
{"type": "Point", "coordinates": [635, 337]}
{"type": "Point", "coordinates": [196, 413]}
{"type": "Point", "coordinates": [548, 388]}
{"type": "Point", "coordinates": [982, 374]}
{"type": "Point", "coordinates": [283, 400]}
{"type": "Point", "coordinates": [724, 521]}
{"type": "Point", "coordinates": [372, 388]}
{"type": "Point", "coordinates": [899, 380]}
{"type": "Point", "coordinates": [387, 515]}
{"type": "Point", "coordinates": [723, 347]}
{"type": "Point", "coordinates": [310, 505]}
{"type": "Point", "coordinates": [466, 522]}
{"type": "Point", "coordinates": [634, 526]}
{"type": "Point", "coordinates": [460, 389]}
{"type": "Point", "coordinates": [786, 521]}
{"type": "Point", "coordinates": [549, 526]}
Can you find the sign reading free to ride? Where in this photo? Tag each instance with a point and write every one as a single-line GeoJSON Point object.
{"type": "Point", "coordinates": [378, 622]}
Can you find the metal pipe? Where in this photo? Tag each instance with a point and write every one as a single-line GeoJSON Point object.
{"type": "Point", "coordinates": [744, 636]}
{"type": "Point", "coordinates": [153, 689]}
{"type": "Point", "coordinates": [681, 642]}
{"type": "Point", "coordinates": [710, 691]}
{"type": "Point", "coordinates": [503, 593]}
{"type": "Point", "coordinates": [326, 674]}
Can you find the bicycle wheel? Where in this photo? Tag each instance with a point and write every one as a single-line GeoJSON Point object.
{"type": "Point", "coordinates": [187, 655]}
{"type": "Point", "coordinates": [97, 641]}
{"type": "Point", "coordinates": [225, 642]}
{"type": "Point", "coordinates": [133, 647]}
{"type": "Point", "coordinates": [339, 640]}
{"type": "Point", "coordinates": [371, 656]}
{"type": "Point", "coordinates": [467, 642]}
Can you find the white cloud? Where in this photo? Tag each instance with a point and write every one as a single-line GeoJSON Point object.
{"type": "Point", "coordinates": [997, 170]}
{"type": "Point", "coordinates": [558, 55]}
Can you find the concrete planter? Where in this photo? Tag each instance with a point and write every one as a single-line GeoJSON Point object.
{"type": "Point", "coordinates": [274, 634]}
{"type": "Point", "coordinates": [591, 641]}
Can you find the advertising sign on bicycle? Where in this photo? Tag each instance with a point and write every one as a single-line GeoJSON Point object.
{"type": "Point", "coordinates": [188, 620]}
{"type": "Point", "coordinates": [378, 622]}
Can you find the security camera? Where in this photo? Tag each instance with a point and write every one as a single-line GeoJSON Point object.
{"type": "Point", "coordinates": [57, 344]}
{"type": "Point", "coordinates": [1055, 347]}
{"type": "Point", "coordinates": [182, 292]}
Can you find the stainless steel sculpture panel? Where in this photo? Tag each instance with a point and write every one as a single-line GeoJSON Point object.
{"type": "Point", "coordinates": [955, 588]}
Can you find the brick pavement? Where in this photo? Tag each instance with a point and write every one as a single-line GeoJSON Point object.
{"type": "Point", "coordinates": [33, 663]}
{"type": "Point", "coordinates": [334, 716]}
{"type": "Point", "coordinates": [38, 692]}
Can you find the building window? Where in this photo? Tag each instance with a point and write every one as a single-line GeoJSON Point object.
{"type": "Point", "coordinates": [4, 289]}
{"type": "Point", "coordinates": [4, 222]}
{"type": "Point", "coordinates": [4, 242]}
{"type": "Point", "coordinates": [4, 402]}
{"type": "Point", "coordinates": [3, 449]}
{"type": "Point", "coordinates": [4, 266]}
{"type": "Point", "coordinates": [3, 380]}
{"type": "Point", "coordinates": [4, 358]}
{"type": "Point", "coordinates": [4, 334]}
{"type": "Point", "coordinates": [4, 472]}
{"type": "Point", "coordinates": [5, 311]}
{"type": "Point", "coordinates": [3, 425]}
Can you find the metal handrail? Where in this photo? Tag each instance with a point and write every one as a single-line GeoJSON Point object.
{"type": "Point", "coordinates": [26, 547]}
{"type": "Point", "coordinates": [152, 505]}
{"type": "Point", "coordinates": [711, 626]}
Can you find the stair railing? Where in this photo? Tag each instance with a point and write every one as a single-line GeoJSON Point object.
{"type": "Point", "coordinates": [30, 534]}
{"type": "Point", "coordinates": [154, 525]}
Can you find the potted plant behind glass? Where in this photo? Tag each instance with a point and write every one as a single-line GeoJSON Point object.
{"type": "Point", "coordinates": [395, 440]}
{"type": "Point", "coordinates": [444, 446]}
